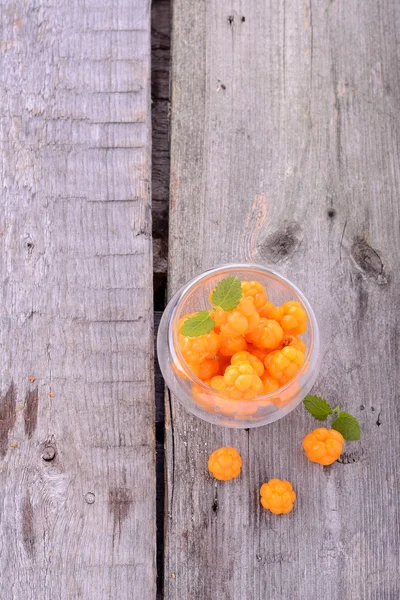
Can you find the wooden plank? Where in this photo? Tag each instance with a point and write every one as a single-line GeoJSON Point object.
{"type": "Point", "coordinates": [77, 449]}
{"type": "Point", "coordinates": [285, 151]}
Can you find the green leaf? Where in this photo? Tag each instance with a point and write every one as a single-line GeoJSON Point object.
{"type": "Point", "coordinates": [198, 325]}
{"type": "Point", "coordinates": [317, 407]}
{"type": "Point", "coordinates": [228, 293]}
{"type": "Point", "coordinates": [347, 425]}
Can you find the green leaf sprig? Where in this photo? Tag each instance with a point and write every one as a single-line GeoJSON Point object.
{"type": "Point", "coordinates": [226, 295]}
{"type": "Point", "coordinates": [343, 422]}
{"type": "Point", "coordinates": [198, 325]}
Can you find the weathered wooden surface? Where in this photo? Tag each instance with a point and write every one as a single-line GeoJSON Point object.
{"type": "Point", "coordinates": [285, 151]}
{"type": "Point", "coordinates": [77, 470]}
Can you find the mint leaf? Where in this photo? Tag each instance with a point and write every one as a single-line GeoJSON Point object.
{"type": "Point", "coordinates": [228, 293]}
{"type": "Point", "coordinates": [317, 407]}
{"type": "Point", "coordinates": [347, 425]}
{"type": "Point", "coordinates": [198, 325]}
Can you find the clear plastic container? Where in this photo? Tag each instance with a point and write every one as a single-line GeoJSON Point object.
{"type": "Point", "coordinates": [198, 397]}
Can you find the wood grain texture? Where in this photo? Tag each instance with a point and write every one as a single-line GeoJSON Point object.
{"type": "Point", "coordinates": [285, 151]}
{"type": "Point", "coordinates": [77, 447]}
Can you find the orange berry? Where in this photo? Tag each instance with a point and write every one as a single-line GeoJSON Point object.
{"type": "Point", "coordinates": [202, 397]}
{"type": "Point", "coordinates": [217, 383]}
{"type": "Point", "coordinates": [244, 356]}
{"type": "Point", "coordinates": [232, 402]}
{"type": "Point", "coordinates": [243, 319]}
{"type": "Point", "coordinates": [323, 446]}
{"type": "Point", "coordinates": [245, 409]}
{"type": "Point", "coordinates": [242, 382]}
{"type": "Point", "coordinates": [294, 341]}
{"type": "Point", "coordinates": [219, 315]}
{"type": "Point", "coordinates": [247, 308]}
{"type": "Point", "coordinates": [268, 334]}
{"type": "Point", "coordinates": [230, 345]}
{"type": "Point", "coordinates": [278, 496]}
{"type": "Point", "coordinates": [254, 290]}
{"type": "Point", "coordinates": [197, 349]}
{"type": "Point", "coordinates": [270, 311]}
{"type": "Point", "coordinates": [226, 405]}
{"type": "Point", "coordinates": [206, 369]}
{"type": "Point", "coordinates": [269, 384]}
{"type": "Point", "coordinates": [225, 463]}
{"type": "Point", "coordinates": [284, 364]}
{"type": "Point", "coordinates": [236, 324]}
{"type": "Point", "coordinates": [294, 318]}
{"type": "Point", "coordinates": [260, 353]}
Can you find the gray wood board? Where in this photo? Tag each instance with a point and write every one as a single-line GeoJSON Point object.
{"type": "Point", "coordinates": [285, 151]}
{"type": "Point", "coordinates": [77, 447]}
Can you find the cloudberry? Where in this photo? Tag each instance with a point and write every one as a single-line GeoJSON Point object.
{"type": "Point", "coordinates": [285, 395]}
{"type": "Point", "coordinates": [206, 369]}
{"type": "Point", "coordinates": [245, 409]}
{"type": "Point", "coordinates": [256, 291]}
{"type": "Point", "coordinates": [203, 397]}
{"type": "Point", "coordinates": [229, 405]}
{"type": "Point", "coordinates": [294, 341]}
{"type": "Point", "coordinates": [244, 356]}
{"type": "Point", "coordinates": [294, 319]}
{"type": "Point", "coordinates": [260, 353]}
{"type": "Point", "coordinates": [230, 345]}
{"type": "Point", "coordinates": [243, 319]}
{"type": "Point", "coordinates": [225, 463]}
{"type": "Point", "coordinates": [197, 349]}
{"type": "Point", "coordinates": [268, 334]}
{"type": "Point", "coordinates": [269, 384]}
{"type": "Point", "coordinates": [277, 496]}
{"type": "Point", "coordinates": [270, 311]}
{"type": "Point", "coordinates": [226, 405]}
{"type": "Point", "coordinates": [284, 364]}
{"type": "Point", "coordinates": [242, 382]}
{"type": "Point", "coordinates": [219, 315]}
{"type": "Point", "coordinates": [217, 383]}
{"type": "Point", "coordinates": [323, 446]}
{"type": "Point", "coordinates": [236, 324]}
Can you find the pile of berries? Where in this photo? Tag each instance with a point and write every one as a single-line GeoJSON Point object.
{"type": "Point", "coordinates": [252, 350]}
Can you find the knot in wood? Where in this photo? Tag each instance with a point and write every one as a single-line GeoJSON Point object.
{"type": "Point", "coordinates": [49, 453]}
{"type": "Point", "coordinates": [90, 498]}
